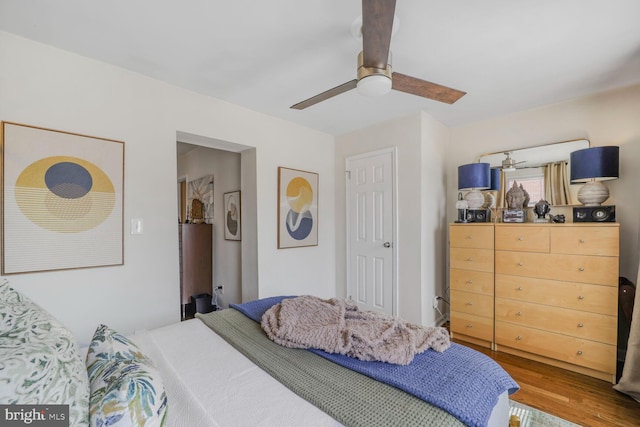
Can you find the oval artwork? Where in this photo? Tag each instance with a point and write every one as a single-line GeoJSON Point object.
{"type": "Point", "coordinates": [65, 194]}
{"type": "Point", "coordinates": [299, 220]}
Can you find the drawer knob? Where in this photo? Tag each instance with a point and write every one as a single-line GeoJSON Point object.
{"type": "Point", "coordinates": [469, 302]}
{"type": "Point", "coordinates": [519, 338]}
{"type": "Point", "coordinates": [470, 281]}
{"type": "Point", "coordinates": [580, 325]}
{"type": "Point", "coordinates": [469, 259]}
{"type": "Point", "coordinates": [519, 313]}
{"type": "Point", "coordinates": [521, 238]}
{"type": "Point", "coordinates": [519, 288]}
{"type": "Point", "coordinates": [521, 263]}
{"type": "Point", "coordinates": [470, 236]}
{"type": "Point", "coordinates": [579, 353]}
{"type": "Point", "coordinates": [581, 297]}
{"type": "Point", "coordinates": [469, 326]}
{"type": "Point", "coordinates": [581, 268]}
{"type": "Point", "coordinates": [581, 240]}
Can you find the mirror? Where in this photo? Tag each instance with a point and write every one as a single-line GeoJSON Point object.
{"type": "Point", "coordinates": [536, 156]}
{"type": "Point", "coordinates": [527, 164]}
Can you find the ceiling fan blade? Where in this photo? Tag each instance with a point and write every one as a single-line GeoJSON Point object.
{"type": "Point", "coordinates": [426, 89]}
{"type": "Point", "coordinates": [377, 23]}
{"type": "Point", "coordinates": [326, 95]}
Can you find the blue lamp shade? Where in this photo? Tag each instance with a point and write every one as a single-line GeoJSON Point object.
{"type": "Point", "coordinates": [474, 176]}
{"type": "Point", "coordinates": [595, 163]}
{"type": "Point", "coordinates": [495, 179]}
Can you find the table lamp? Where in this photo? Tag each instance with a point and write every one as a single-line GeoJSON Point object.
{"type": "Point", "coordinates": [474, 177]}
{"type": "Point", "coordinates": [489, 195]}
{"type": "Point", "coordinates": [591, 166]}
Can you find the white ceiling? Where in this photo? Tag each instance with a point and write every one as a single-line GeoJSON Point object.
{"type": "Point", "coordinates": [508, 55]}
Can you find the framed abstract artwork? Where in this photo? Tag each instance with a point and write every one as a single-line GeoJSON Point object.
{"type": "Point", "coordinates": [232, 228]}
{"type": "Point", "coordinates": [62, 200]}
{"type": "Point", "coordinates": [200, 200]}
{"type": "Point", "coordinates": [297, 208]}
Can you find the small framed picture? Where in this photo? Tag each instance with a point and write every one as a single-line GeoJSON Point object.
{"type": "Point", "coordinates": [232, 225]}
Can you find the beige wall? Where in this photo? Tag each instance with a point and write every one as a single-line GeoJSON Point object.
{"type": "Point", "coordinates": [611, 118]}
{"type": "Point", "coordinates": [45, 86]}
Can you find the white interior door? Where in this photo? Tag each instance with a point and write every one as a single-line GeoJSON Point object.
{"type": "Point", "coordinates": [371, 231]}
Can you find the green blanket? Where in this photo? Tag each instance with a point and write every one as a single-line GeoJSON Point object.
{"type": "Point", "coordinates": [351, 398]}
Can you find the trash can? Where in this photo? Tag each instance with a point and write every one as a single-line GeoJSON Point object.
{"type": "Point", "coordinates": [203, 303]}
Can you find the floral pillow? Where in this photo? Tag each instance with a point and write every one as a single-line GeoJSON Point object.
{"type": "Point", "coordinates": [40, 362]}
{"type": "Point", "coordinates": [126, 388]}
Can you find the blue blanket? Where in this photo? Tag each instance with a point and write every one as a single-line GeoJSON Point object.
{"type": "Point", "coordinates": [461, 381]}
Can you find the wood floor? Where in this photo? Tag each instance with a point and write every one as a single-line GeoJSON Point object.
{"type": "Point", "coordinates": [575, 397]}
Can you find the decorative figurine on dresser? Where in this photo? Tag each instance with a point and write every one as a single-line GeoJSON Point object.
{"type": "Point", "coordinates": [516, 197]}
{"type": "Point", "coordinates": [541, 209]}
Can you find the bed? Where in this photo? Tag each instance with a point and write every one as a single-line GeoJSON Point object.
{"type": "Point", "coordinates": [219, 369]}
{"type": "Point", "coordinates": [210, 366]}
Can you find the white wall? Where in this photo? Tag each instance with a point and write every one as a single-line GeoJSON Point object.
{"type": "Point", "coordinates": [610, 118]}
{"type": "Point", "coordinates": [419, 141]}
{"type": "Point", "coordinates": [44, 86]}
{"type": "Point", "coordinates": [227, 257]}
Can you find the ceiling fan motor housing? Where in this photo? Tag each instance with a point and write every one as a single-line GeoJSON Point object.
{"type": "Point", "coordinates": [373, 81]}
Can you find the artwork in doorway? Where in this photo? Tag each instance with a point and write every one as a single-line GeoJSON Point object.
{"type": "Point", "coordinates": [200, 200]}
{"type": "Point", "coordinates": [62, 200]}
{"type": "Point", "coordinates": [297, 208]}
{"type": "Point", "coordinates": [232, 226]}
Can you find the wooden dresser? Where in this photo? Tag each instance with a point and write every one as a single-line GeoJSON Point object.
{"type": "Point", "coordinates": [471, 277]}
{"type": "Point", "coordinates": [555, 289]}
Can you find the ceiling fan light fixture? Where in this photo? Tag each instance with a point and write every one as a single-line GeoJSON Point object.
{"type": "Point", "coordinates": [374, 85]}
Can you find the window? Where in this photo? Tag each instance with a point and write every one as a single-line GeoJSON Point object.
{"type": "Point", "coordinates": [532, 180]}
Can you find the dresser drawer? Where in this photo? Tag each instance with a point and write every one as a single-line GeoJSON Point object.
{"type": "Point", "coordinates": [585, 240]}
{"type": "Point", "coordinates": [470, 303]}
{"type": "Point", "coordinates": [474, 326]}
{"type": "Point", "coordinates": [473, 236]}
{"type": "Point", "coordinates": [471, 259]}
{"type": "Point", "coordinates": [579, 324]}
{"type": "Point", "coordinates": [522, 238]}
{"type": "Point", "coordinates": [480, 282]}
{"type": "Point", "coordinates": [577, 351]}
{"type": "Point", "coordinates": [578, 296]}
{"type": "Point", "coordinates": [573, 268]}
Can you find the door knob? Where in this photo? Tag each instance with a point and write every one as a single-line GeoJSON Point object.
{"type": "Point", "coordinates": [387, 244]}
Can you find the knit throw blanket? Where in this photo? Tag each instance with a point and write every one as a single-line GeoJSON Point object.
{"type": "Point", "coordinates": [337, 326]}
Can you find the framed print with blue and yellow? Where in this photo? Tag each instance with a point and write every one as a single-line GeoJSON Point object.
{"type": "Point", "coordinates": [62, 200]}
{"type": "Point", "coordinates": [297, 208]}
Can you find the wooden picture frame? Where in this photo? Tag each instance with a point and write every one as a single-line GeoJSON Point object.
{"type": "Point", "coordinates": [297, 208]}
{"type": "Point", "coordinates": [62, 200]}
{"type": "Point", "coordinates": [232, 215]}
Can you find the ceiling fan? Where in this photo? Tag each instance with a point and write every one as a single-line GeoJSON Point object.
{"type": "Point", "coordinates": [509, 164]}
{"type": "Point", "coordinates": [375, 76]}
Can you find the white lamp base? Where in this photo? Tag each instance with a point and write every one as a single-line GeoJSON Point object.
{"type": "Point", "coordinates": [593, 193]}
{"type": "Point", "coordinates": [475, 199]}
